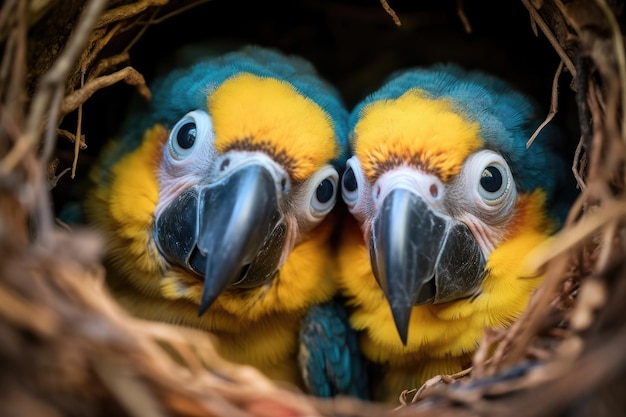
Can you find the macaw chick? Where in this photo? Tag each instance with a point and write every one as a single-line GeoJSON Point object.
{"type": "Point", "coordinates": [446, 200]}
{"type": "Point", "coordinates": [216, 204]}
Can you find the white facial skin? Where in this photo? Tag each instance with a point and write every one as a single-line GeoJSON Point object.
{"type": "Point", "coordinates": [482, 195]}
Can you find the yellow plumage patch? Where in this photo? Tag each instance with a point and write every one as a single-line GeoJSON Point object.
{"type": "Point", "coordinates": [418, 131]}
{"type": "Point", "coordinates": [251, 112]}
{"type": "Point", "coordinates": [123, 208]}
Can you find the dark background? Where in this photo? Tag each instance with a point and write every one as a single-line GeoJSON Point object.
{"type": "Point", "coordinates": [353, 44]}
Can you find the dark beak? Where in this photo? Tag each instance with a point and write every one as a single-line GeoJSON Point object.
{"type": "Point", "coordinates": [218, 230]}
{"type": "Point", "coordinates": [235, 220]}
{"type": "Point", "coordinates": [420, 257]}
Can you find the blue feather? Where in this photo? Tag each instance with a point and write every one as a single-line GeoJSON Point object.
{"type": "Point", "coordinates": [329, 354]}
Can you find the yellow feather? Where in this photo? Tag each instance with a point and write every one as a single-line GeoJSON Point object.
{"type": "Point", "coordinates": [122, 211]}
{"type": "Point", "coordinates": [300, 136]}
{"type": "Point", "coordinates": [417, 131]}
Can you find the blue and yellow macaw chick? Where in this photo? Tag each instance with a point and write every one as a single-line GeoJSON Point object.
{"type": "Point", "coordinates": [447, 201]}
{"type": "Point", "coordinates": [216, 204]}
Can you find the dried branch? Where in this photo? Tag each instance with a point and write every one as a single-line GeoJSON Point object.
{"type": "Point", "coordinates": [620, 56]}
{"type": "Point", "coordinates": [121, 360]}
{"type": "Point", "coordinates": [51, 89]}
{"type": "Point", "coordinates": [554, 105]}
{"type": "Point", "coordinates": [106, 64]}
{"type": "Point", "coordinates": [79, 126]}
{"type": "Point", "coordinates": [391, 12]}
{"type": "Point", "coordinates": [550, 36]}
{"type": "Point", "coordinates": [69, 135]}
{"type": "Point", "coordinates": [98, 40]}
{"type": "Point", "coordinates": [128, 74]}
{"type": "Point", "coordinates": [460, 11]}
{"type": "Point", "coordinates": [127, 10]}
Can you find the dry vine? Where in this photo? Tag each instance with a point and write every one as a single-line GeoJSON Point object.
{"type": "Point", "coordinates": [68, 349]}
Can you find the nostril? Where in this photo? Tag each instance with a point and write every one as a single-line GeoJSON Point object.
{"type": "Point", "coordinates": [434, 190]}
{"type": "Point", "coordinates": [224, 164]}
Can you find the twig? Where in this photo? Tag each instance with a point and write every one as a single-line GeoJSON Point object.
{"type": "Point", "coordinates": [35, 10]}
{"type": "Point", "coordinates": [54, 180]}
{"type": "Point", "coordinates": [485, 353]}
{"type": "Point", "coordinates": [143, 29]}
{"type": "Point", "coordinates": [5, 65]}
{"type": "Point", "coordinates": [79, 125]}
{"type": "Point", "coordinates": [574, 235]}
{"type": "Point", "coordinates": [14, 71]}
{"type": "Point", "coordinates": [127, 74]}
{"type": "Point", "coordinates": [5, 12]}
{"type": "Point", "coordinates": [153, 20]}
{"type": "Point", "coordinates": [108, 63]}
{"type": "Point", "coordinates": [19, 311]}
{"type": "Point", "coordinates": [128, 10]}
{"type": "Point", "coordinates": [620, 58]}
{"type": "Point", "coordinates": [535, 312]}
{"type": "Point", "coordinates": [575, 164]}
{"type": "Point", "coordinates": [460, 11]}
{"type": "Point", "coordinates": [592, 370]}
{"type": "Point", "coordinates": [98, 42]}
{"type": "Point", "coordinates": [554, 105]}
{"type": "Point", "coordinates": [551, 38]}
{"type": "Point", "coordinates": [597, 139]}
{"type": "Point", "coordinates": [51, 82]}
{"type": "Point", "coordinates": [132, 394]}
{"type": "Point", "coordinates": [69, 135]}
{"type": "Point", "coordinates": [426, 388]}
{"type": "Point", "coordinates": [611, 230]}
{"type": "Point", "coordinates": [9, 124]}
{"type": "Point", "coordinates": [44, 214]}
{"type": "Point", "coordinates": [176, 12]}
{"type": "Point", "coordinates": [391, 12]}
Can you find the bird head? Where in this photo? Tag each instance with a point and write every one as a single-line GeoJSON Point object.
{"type": "Point", "coordinates": [439, 168]}
{"type": "Point", "coordinates": [245, 153]}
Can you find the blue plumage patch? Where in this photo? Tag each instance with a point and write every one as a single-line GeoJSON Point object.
{"type": "Point", "coordinates": [329, 354]}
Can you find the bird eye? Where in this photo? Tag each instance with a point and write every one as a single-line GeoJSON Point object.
{"type": "Point", "coordinates": [485, 187]}
{"type": "Point", "coordinates": [187, 132]}
{"type": "Point", "coordinates": [321, 190]}
{"type": "Point", "coordinates": [349, 183]}
{"type": "Point", "coordinates": [325, 191]}
{"type": "Point", "coordinates": [349, 180]}
{"type": "Point", "coordinates": [494, 183]}
{"type": "Point", "coordinates": [324, 197]}
{"type": "Point", "coordinates": [186, 135]}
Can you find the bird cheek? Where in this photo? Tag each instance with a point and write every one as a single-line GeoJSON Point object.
{"type": "Point", "coordinates": [366, 229]}
{"type": "Point", "coordinates": [171, 188]}
{"type": "Point", "coordinates": [293, 236]}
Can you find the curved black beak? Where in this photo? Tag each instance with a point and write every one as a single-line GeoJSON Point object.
{"type": "Point", "coordinates": [235, 220]}
{"type": "Point", "coordinates": [218, 230]}
{"type": "Point", "coordinates": [420, 257]}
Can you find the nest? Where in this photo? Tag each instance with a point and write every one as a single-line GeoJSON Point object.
{"type": "Point", "coordinates": [67, 348]}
